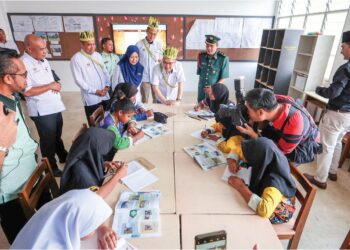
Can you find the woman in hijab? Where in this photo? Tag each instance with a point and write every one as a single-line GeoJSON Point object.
{"type": "Point", "coordinates": [128, 69]}
{"type": "Point", "coordinates": [85, 166]}
{"type": "Point", "coordinates": [218, 94]}
{"type": "Point", "coordinates": [271, 191]}
{"type": "Point", "coordinates": [64, 222]}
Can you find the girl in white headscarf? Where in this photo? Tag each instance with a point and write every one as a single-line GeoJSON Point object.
{"type": "Point", "coordinates": [63, 222]}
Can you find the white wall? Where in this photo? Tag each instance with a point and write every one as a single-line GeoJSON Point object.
{"type": "Point", "coordinates": [339, 59]}
{"type": "Point", "coordinates": [197, 7]}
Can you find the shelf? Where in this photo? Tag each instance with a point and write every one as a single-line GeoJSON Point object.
{"type": "Point", "coordinates": [294, 88]}
{"type": "Point", "coordinates": [273, 49]}
{"type": "Point", "coordinates": [267, 86]}
{"type": "Point", "coordinates": [304, 54]}
{"type": "Point", "coordinates": [304, 72]}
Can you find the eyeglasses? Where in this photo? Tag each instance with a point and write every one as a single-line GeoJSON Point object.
{"type": "Point", "coordinates": [24, 75]}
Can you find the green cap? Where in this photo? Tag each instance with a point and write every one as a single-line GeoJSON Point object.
{"type": "Point", "coordinates": [211, 39]}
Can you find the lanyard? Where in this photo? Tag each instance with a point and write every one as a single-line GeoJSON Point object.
{"type": "Point", "coordinates": [164, 78]}
{"type": "Point", "coordinates": [149, 51]}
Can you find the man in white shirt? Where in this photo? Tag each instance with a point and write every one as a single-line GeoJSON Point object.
{"type": "Point", "coordinates": [90, 74]}
{"type": "Point", "coordinates": [4, 43]}
{"type": "Point", "coordinates": [150, 55]}
{"type": "Point", "coordinates": [44, 101]}
{"type": "Point", "coordinates": [168, 78]}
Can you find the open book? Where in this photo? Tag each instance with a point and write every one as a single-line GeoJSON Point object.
{"type": "Point", "coordinates": [244, 173]}
{"type": "Point", "coordinates": [200, 114]}
{"type": "Point", "coordinates": [206, 156]}
{"type": "Point", "coordinates": [139, 175]}
{"type": "Point", "coordinates": [154, 129]}
{"type": "Point", "coordinates": [137, 215]}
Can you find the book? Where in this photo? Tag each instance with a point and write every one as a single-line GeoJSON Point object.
{"type": "Point", "coordinates": [154, 129]}
{"type": "Point", "coordinates": [139, 175]}
{"type": "Point", "coordinates": [206, 156]}
{"type": "Point", "coordinates": [200, 114]}
{"type": "Point", "coordinates": [137, 215]}
{"type": "Point", "coordinates": [244, 173]}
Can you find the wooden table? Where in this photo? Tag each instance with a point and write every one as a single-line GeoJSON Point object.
{"type": "Point", "coordinates": [242, 231]}
{"type": "Point", "coordinates": [317, 100]}
{"type": "Point", "coordinates": [200, 192]}
{"type": "Point", "coordinates": [170, 238]}
{"type": "Point", "coordinates": [202, 200]}
{"type": "Point", "coordinates": [164, 171]}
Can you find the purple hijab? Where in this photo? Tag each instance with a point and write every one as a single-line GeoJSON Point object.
{"type": "Point", "coordinates": [131, 73]}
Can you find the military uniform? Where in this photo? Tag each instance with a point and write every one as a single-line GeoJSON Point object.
{"type": "Point", "coordinates": [110, 60]}
{"type": "Point", "coordinates": [210, 70]}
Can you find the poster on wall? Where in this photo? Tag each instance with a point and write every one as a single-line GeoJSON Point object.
{"type": "Point", "coordinates": [48, 23]}
{"type": "Point", "coordinates": [78, 23]}
{"type": "Point", "coordinates": [22, 23]}
{"type": "Point", "coordinates": [20, 35]}
{"type": "Point", "coordinates": [252, 31]}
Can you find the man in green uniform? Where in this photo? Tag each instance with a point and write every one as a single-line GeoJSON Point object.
{"type": "Point", "coordinates": [109, 58]}
{"type": "Point", "coordinates": [212, 67]}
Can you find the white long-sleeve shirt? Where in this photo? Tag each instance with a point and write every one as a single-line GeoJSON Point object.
{"type": "Point", "coordinates": [89, 76]}
{"type": "Point", "coordinates": [146, 60]}
{"type": "Point", "coordinates": [39, 74]}
{"type": "Point", "coordinates": [117, 77]}
{"type": "Point", "coordinates": [9, 45]}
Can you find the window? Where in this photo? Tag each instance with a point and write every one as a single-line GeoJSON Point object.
{"type": "Point", "coordinates": [325, 16]}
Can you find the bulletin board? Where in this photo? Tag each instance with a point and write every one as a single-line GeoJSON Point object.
{"type": "Point", "coordinates": [60, 31]}
{"type": "Point", "coordinates": [240, 35]}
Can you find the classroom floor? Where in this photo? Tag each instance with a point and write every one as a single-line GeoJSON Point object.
{"type": "Point", "coordinates": [329, 219]}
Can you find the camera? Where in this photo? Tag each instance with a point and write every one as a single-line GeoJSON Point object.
{"type": "Point", "coordinates": [238, 113]}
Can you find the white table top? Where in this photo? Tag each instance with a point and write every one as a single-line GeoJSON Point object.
{"type": "Point", "coordinates": [242, 231]}
{"type": "Point", "coordinates": [170, 238]}
{"type": "Point", "coordinates": [317, 96]}
{"type": "Point", "coordinates": [164, 171]}
{"type": "Point", "coordinates": [200, 192]}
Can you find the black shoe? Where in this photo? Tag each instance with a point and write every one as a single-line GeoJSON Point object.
{"type": "Point", "coordinates": [57, 172]}
{"type": "Point", "coordinates": [311, 178]}
{"type": "Point", "coordinates": [332, 177]}
{"type": "Point", "coordinates": [62, 159]}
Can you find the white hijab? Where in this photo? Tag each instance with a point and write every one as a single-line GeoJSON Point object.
{"type": "Point", "coordinates": [61, 223]}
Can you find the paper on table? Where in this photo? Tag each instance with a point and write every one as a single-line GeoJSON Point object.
{"type": "Point", "coordinates": [244, 173]}
{"type": "Point", "coordinates": [197, 134]}
{"type": "Point", "coordinates": [138, 177]}
{"type": "Point", "coordinates": [124, 245]}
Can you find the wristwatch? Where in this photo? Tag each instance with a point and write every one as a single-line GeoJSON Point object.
{"type": "Point", "coordinates": [178, 99]}
{"type": "Point", "coordinates": [5, 150]}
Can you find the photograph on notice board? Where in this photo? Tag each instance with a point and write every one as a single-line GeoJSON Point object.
{"type": "Point", "coordinates": [53, 37]}
{"type": "Point", "coordinates": [41, 34]}
{"type": "Point", "coordinates": [56, 50]}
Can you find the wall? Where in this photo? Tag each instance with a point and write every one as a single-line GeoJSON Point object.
{"type": "Point", "coordinates": [196, 7]}
{"type": "Point", "coordinates": [339, 59]}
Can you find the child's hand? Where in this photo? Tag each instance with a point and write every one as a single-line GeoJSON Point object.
{"type": "Point", "coordinates": [235, 182]}
{"type": "Point", "coordinates": [138, 135]}
{"type": "Point", "coordinates": [122, 168]}
{"type": "Point", "coordinates": [233, 165]}
{"type": "Point", "coordinates": [149, 113]}
{"type": "Point", "coordinates": [213, 137]}
{"type": "Point", "coordinates": [142, 110]}
{"type": "Point", "coordinates": [196, 108]}
{"type": "Point", "coordinates": [132, 130]}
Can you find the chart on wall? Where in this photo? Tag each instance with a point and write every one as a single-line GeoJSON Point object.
{"type": "Point", "coordinates": [240, 36]}
{"type": "Point", "coordinates": [61, 32]}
